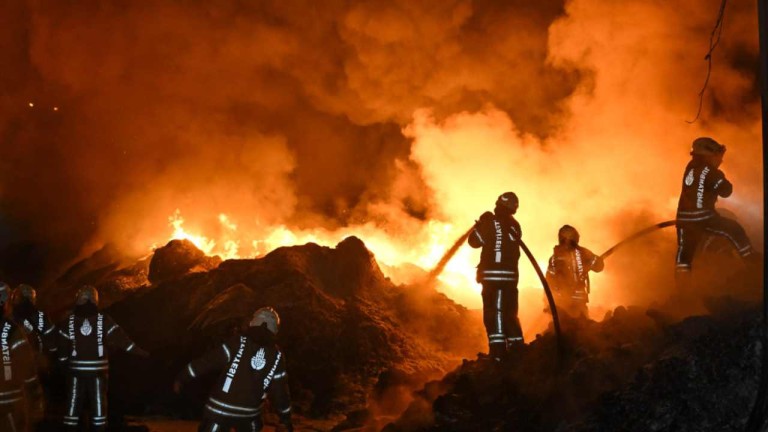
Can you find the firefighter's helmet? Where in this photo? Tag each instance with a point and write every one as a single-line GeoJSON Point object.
{"type": "Point", "coordinates": [507, 201]}
{"type": "Point", "coordinates": [568, 234]}
{"type": "Point", "coordinates": [87, 293]}
{"type": "Point", "coordinates": [5, 293]}
{"type": "Point", "coordinates": [24, 292]}
{"type": "Point", "coordinates": [268, 316]}
{"type": "Point", "coordinates": [707, 146]}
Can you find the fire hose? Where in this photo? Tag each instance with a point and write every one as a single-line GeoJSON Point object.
{"type": "Point", "coordinates": [435, 272]}
{"type": "Point", "coordinates": [637, 235]}
{"type": "Point", "coordinates": [550, 299]}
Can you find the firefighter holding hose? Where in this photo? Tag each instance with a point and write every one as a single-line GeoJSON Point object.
{"type": "Point", "coordinates": [498, 234]}
{"type": "Point", "coordinates": [703, 183]}
{"type": "Point", "coordinates": [568, 272]}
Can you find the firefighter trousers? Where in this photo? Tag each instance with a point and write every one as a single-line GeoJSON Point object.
{"type": "Point", "coordinates": [690, 234]}
{"type": "Point", "coordinates": [500, 308]}
{"type": "Point", "coordinates": [94, 389]}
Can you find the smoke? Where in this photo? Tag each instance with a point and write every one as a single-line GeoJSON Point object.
{"type": "Point", "coordinates": [615, 164]}
{"type": "Point", "coordinates": [397, 121]}
{"type": "Point", "coordinates": [117, 114]}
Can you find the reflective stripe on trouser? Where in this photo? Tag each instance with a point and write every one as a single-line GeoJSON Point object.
{"type": "Point", "coordinates": [95, 389]}
{"type": "Point", "coordinates": [500, 308]}
{"type": "Point", "coordinates": [214, 423]}
{"type": "Point", "coordinates": [689, 235]}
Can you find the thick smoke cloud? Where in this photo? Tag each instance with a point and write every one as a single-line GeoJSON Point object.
{"type": "Point", "coordinates": [379, 116]}
{"type": "Point", "coordinates": [615, 165]}
{"type": "Point", "coordinates": [273, 111]}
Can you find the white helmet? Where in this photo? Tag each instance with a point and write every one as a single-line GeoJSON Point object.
{"type": "Point", "coordinates": [268, 316]}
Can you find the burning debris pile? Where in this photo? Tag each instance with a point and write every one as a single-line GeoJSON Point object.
{"type": "Point", "coordinates": [638, 370]}
{"type": "Point", "coordinates": [350, 335]}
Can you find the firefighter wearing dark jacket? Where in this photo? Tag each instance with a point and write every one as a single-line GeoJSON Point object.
{"type": "Point", "coordinates": [20, 390]}
{"type": "Point", "coordinates": [84, 339]}
{"type": "Point", "coordinates": [40, 332]}
{"type": "Point", "coordinates": [250, 367]}
{"type": "Point", "coordinates": [702, 184]}
{"type": "Point", "coordinates": [568, 272]}
{"type": "Point", "coordinates": [498, 234]}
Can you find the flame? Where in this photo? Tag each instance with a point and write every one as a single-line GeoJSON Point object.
{"type": "Point", "coordinates": [393, 253]}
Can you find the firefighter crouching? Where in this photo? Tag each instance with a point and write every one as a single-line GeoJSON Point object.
{"type": "Point", "coordinates": [498, 235]}
{"type": "Point", "coordinates": [250, 367]}
{"type": "Point", "coordinates": [703, 182]}
{"type": "Point", "coordinates": [20, 389]}
{"type": "Point", "coordinates": [84, 339]}
{"type": "Point", "coordinates": [568, 272]}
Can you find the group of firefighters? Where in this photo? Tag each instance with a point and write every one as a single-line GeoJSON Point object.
{"type": "Point", "coordinates": [251, 366]}
{"type": "Point", "coordinates": [498, 234]}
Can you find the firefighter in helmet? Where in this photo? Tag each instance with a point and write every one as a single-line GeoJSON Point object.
{"type": "Point", "coordinates": [24, 312]}
{"type": "Point", "coordinates": [40, 333]}
{"type": "Point", "coordinates": [20, 390]}
{"type": "Point", "coordinates": [703, 183]}
{"type": "Point", "coordinates": [498, 235]}
{"type": "Point", "coordinates": [249, 368]}
{"type": "Point", "coordinates": [568, 272]}
{"type": "Point", "coordinates": [85, 337]}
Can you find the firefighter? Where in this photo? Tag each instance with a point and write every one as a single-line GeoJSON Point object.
{"type": "Point", "coordinates": [84, 337]}
{"type": "Point", "coordinates": [250, 367]}
{"type": "Point", "coordinates": [20, 389]}
{"type": "Point", "coordinates": [41, 333]}
{"type": "Point", "coordinates": [703, 182]}
{"type": "Point", "coordinates": [568, 272]}
{"type": "Point", "coordinates": [498, 234]}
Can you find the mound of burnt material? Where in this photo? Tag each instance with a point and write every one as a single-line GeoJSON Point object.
{"type": "Point", "coordinates": [635, 371]}
{"type": "Point", "coordinates": [114, 274]}
{"type": "Point", "coordinates": [344, 325]}
{"type": "Point", "coordinates": [178, 258]}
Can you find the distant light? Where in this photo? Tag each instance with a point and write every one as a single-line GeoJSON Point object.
{"type": "Point", "coordinates": [55, 108]}
{"type": "Point", "coordinates": [31, 105]}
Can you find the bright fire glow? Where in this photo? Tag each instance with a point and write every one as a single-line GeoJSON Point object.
{"type": "Point", "coordinates": [392, 253]}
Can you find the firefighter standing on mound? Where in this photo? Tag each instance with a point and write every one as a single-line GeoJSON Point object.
{"type": "Point", "coordinates": [568, 272]}
{"type": "Point", "coordinates": [84, 337]}
{"type": "Point", "coordinates": [498, 235]}
{"type": "Point", "coordinates": [703, 183]}
{"type": "Point", "coordinates": [20, 390]}
{"type": "Point", "coordinates": [250, 366]}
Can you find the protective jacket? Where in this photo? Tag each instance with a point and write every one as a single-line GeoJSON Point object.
{"type": "Point", "coordinates": [19, 386]}
{"type": "Point", "coordinates": [39, 329]}
{"type": "Point", "coordinates": [500, 243]}
{"type": "Point", "coordinates": [568, 271]}
{"type": "Point", "coordinates": [250, 367]}
{"type": "Point", "coordinates": [702, 185]}
{"type": "Point", "coordinates": [85, 339]}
